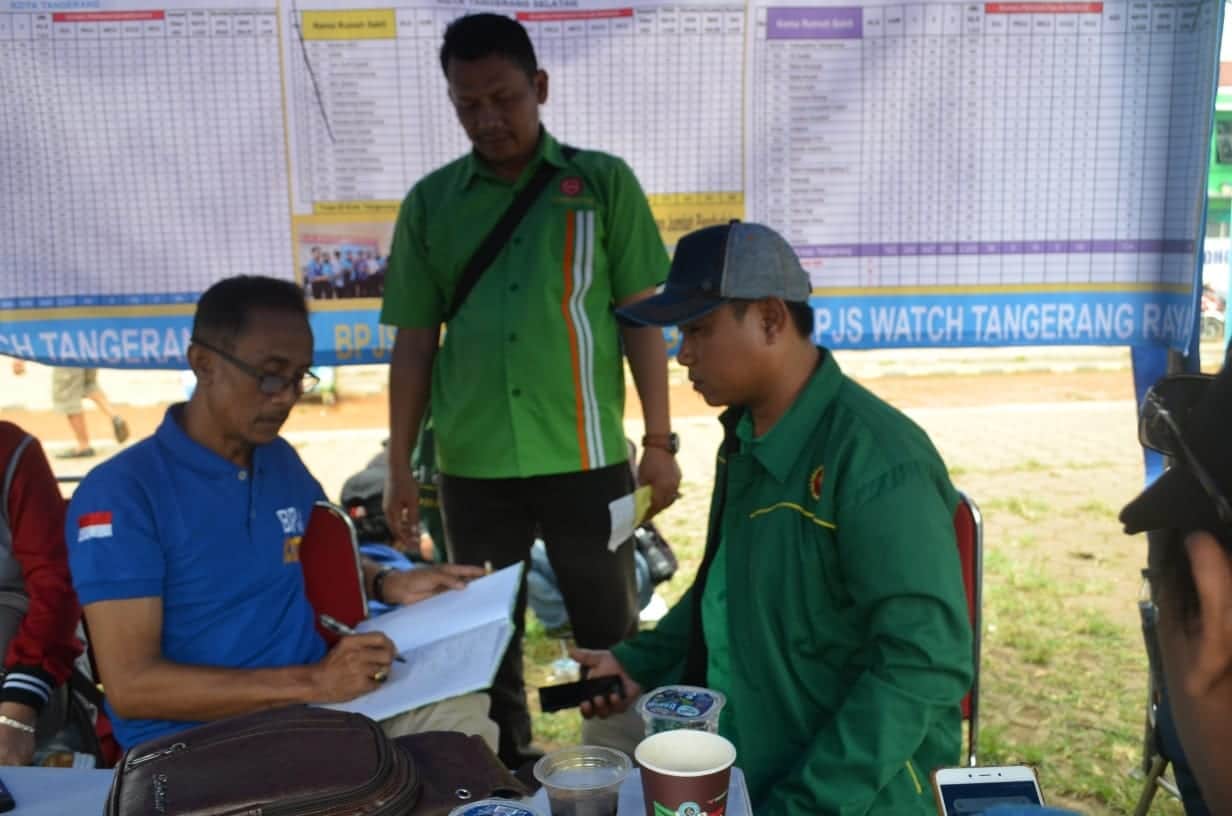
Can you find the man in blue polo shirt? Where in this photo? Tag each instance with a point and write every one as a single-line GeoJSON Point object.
{"type": "Point", "coordinates": [184, 548]}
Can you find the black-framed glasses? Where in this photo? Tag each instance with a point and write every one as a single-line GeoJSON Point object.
{"type": "Point", "coordinates": [270, 384]}
{"type": "Point", "coordinates": [1166, 409]}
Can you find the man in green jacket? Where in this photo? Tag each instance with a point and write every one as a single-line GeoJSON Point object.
{"type": "Point", "coordinates": [829, 605]}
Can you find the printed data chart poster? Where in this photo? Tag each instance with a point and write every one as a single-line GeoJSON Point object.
{"type": "Point", "coordinates": [950, 173]}
{"type": "Point", "coordinates": [986, 173]}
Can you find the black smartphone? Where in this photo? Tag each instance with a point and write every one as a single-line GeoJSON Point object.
{"type": "Point", "coordinates": [571, 695]}
{"type": "Point", "coordinates": [6, 799]}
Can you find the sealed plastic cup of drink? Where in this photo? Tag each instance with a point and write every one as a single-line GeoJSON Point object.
{"type": "Point", "coordinates": [685, 772]}
{"type": "Point", "coordinates": [583, 781]}
{"type": "Point", "coordinates": [495, 807]}
{"type": "Point", "coordinates": [670, 707]}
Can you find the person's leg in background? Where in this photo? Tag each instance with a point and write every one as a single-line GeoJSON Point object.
{"type": "Point", "coordinates": [598, 585]}
{"type": "Point", "coordinates": [491, 520]}
{"type": "Point", "coordinates": [548, 604]}
{"type": "Point", "coordinates": [67, 390]}
{"type": "Point", "coordinates": [467, 713]}
{"type": "Point", "coordinates": [95, 394]}
{"type": "Point", "coordinates": [543, 594]}
{"type": "Point", "coordinates": [68, 387]}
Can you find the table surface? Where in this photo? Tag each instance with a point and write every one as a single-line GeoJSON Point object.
{"type": "Point", "coordinates": [631, 803]}
{"type": "Point", "coordinates": [80, 792]}
{"type": "Point", "coordinates": [57, 791]}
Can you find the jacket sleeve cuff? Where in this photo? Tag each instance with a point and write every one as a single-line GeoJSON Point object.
{"type": "Point", "coordinates": [648, 666]}
{"type": "Point", "coordinates": [29, 685]}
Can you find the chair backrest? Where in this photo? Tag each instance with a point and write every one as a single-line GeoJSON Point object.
{"type": "Point", "coordinates": [333, 574]}
{"type": "Point", "coordinates": [969, 532]}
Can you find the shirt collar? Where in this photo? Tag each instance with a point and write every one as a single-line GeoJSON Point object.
{"type": "Point", "coordinates": [190, 453]}
{"type": "Point", "coordinates": [778, 449]}
{"type": "Point", "coordinates": [547, 150]}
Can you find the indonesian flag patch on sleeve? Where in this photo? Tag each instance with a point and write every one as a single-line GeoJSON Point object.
{"type": "Point", "coordinates": [94, 525]}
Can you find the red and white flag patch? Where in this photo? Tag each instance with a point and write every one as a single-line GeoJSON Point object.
{"type": "Point", "coordinates": [94, 525]}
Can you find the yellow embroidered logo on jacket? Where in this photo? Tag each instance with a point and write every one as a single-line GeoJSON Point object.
{"type": "Point", "coordinates": [290, 549]}
{"type": "Point", "coordinates": [815, 481]}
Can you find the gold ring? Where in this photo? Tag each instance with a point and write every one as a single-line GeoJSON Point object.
{"type": "Point", "coordinates": [380, 676]}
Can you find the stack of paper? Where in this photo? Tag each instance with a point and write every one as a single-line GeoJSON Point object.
{"type": "Point", "coordinates": [452, 643]}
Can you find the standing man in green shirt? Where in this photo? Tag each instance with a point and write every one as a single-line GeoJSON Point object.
{"type": "Point", "coordinates": [527, 390]}
{"type": "Point", "coordinates": [829, 605]}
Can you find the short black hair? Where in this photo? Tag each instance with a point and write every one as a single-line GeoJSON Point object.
{"type": "Point", "coordinates": [224, 310]}
{"type": "Point", "coordinates": [476, 36]}
{"type": "Point", "coordinates": [800, 311]}
{"type": "Point", "coordinates": [802, 316]}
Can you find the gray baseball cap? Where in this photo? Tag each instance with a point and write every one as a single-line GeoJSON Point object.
{"type": "Point", "coordinates": [737, 260]}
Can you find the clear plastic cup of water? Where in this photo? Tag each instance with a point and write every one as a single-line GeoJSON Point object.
{"type": "Point", "coordinates": [583, 781]}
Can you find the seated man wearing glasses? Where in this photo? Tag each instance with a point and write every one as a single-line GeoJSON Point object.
{"type": "Point", "coordinates": [184, 547]}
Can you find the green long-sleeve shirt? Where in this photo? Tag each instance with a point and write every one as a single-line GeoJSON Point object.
{"type": "Point", "coordinates": [850, 647]}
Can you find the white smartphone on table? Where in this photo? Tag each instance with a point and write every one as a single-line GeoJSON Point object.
{"type": "Point", "coordinates": [971, 791]}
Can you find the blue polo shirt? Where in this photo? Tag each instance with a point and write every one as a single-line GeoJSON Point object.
{"type": "Point", "coordinates": [217, 542]}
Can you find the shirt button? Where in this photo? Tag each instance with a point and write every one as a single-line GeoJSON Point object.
{"type": "Point", "coordinates": [513, 337]}
{"type": "Point", "coordinates": [513, 287]}
{"type": "Point", "coordinates": [517, 392]}
{"type": "Point", "coordinates": [242, 475]}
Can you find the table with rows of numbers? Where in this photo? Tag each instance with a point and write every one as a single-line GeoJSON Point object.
{"type": "Point", "coordinates": [983, 144]}
{"type": "Point", "coordinates": [143, 153]}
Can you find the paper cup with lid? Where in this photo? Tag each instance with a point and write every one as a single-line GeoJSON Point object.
{"type": "Point", "coordinates": [669, 708]}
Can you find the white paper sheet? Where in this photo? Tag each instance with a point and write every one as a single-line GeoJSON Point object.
{"type": "Point", "coordinates": [452, 644]}
{"type": "Point", "coordinates": [627, 513]}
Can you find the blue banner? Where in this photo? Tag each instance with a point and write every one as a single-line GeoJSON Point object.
{"type": "Point", "coordinates": [157, 337]}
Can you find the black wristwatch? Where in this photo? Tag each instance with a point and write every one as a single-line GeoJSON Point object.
{"type": "Point", "coordinates": [669, 442]}
{"type": "Point", "coordinates": [378, 584]}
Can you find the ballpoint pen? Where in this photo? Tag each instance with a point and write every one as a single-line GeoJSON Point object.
{"type": "Point", "coordinates": [339, 628]}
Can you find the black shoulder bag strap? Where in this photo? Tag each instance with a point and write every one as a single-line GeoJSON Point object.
{"type": "Point", "coordinates": [495, 240]}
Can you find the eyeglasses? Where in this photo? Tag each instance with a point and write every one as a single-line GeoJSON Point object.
{"type": "Point", "coordinates": [1166, 408]}
{"type": "Point", "coordinates": [270, 384]}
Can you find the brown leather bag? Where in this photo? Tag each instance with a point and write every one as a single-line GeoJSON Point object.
{"type": "Point", "coordinates": [456, 768]}
{"type": "Point", "coordinates": [301, 760]}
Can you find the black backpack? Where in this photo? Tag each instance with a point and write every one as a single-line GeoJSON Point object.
{"type": "Point", "coordinates": [363, 494]}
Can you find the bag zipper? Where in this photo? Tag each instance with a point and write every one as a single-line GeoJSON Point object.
{"type": "Point", "coordinates": [144, 758]}
{"type": "Point", "coordinates": [310, 725]}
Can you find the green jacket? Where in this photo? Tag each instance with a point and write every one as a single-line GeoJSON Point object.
{"type": "Point", "coordinates": [850, 643]}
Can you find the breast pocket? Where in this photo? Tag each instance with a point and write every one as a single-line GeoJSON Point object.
{"type": "Point", "coordinates": [825, 597]}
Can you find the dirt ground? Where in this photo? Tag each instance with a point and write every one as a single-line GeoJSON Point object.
{"type": "Point", "coordinates": [933, 391]}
